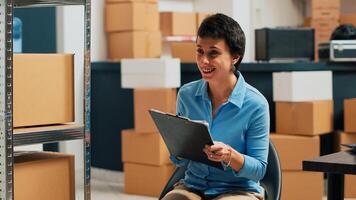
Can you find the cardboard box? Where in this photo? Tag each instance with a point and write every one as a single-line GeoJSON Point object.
{"type": "Point", "coordinates": [346, 138]}
{"type": "Point", "coordinates": [43, 89]}
{"type": "Point", "coordinates": [324, 25]}
{"type": "Point", "coordinates": [44, 176]}
{"type": "Point", "coordinates": [136, 44]}
{"type": "Point", "coordinates": [348, 19]}
{"type": "Point", "coordinates": [148, 148]}
{"type": "Point", "coordinates": [298, 185]}
{"type": "Point", "coordinates": [201, 16]}
{"type": "Point", "coordinates": [292, 150]}
{"type": "Point", "coordinates": [325, 4]}
{"type": "Point", "coordinates": [302, 86]}
{"type": "Point", "coordinates": [325, 13]}
{"type": "Point", "coordinates": [349, 186]}
{"type": "Point", "coordinates": [146, 179]}
{"type": "Point", "coordinates": [150, 73]}
{"type": "Point", "coordinates": [350, 115]}
{"type": "Point", "coordinates": [120, 1]}
{"type": "Point", "coordinates": [138, 16]}
{"type": "Point", "coordinates": [304, 118]}
{"type": "Point", "coordinates": [134, 14]}
{"type": "Point", "coordinates": [145, 99]}
{"type": "Point", "coordinates": [185, 51]}
{"type": "Point", "coordinates": [178, 23]}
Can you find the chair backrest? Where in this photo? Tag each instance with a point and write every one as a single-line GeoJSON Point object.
{"type": "Point", "coordinates": [271, 182]}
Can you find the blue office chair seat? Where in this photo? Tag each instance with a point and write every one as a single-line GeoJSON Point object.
{"type": "Point", "coordinates": [271, 182]}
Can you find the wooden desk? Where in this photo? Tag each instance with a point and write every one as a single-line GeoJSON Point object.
{"type": "Point", "coordinates": [335, 165]}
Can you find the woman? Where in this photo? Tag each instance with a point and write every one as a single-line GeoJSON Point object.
{"type": "Point", "coordinates": [238, 117]}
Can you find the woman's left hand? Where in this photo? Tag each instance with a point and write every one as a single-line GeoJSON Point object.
{"type": "Point", "coordinates": [218, 152]}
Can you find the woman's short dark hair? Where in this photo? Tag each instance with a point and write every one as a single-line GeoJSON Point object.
{"type": "Point", "coordinates": [220, 26]}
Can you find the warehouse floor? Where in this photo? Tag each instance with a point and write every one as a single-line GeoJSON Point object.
{"type": "Point", "coordinates": [107, 185]}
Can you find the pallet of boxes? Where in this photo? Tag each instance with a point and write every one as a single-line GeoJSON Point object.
{"type": "Point", "coordinates": [349, 137]}
{"type": "Point", "coordinates": [43, 100]}
{"type": "Point", "coordinates": [147, 167]}
{"type": "Point", "coordinates": [304, 112]}
{"type": "Point", "coordinates": [324, 16]}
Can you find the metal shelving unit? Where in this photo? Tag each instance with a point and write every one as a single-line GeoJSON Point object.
{"type": "Point", "coordinates": [10, 137]}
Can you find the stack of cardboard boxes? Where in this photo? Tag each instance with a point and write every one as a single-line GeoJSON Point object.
{"type": "Point", "coordinates": [349, 137]}
{"type": "Point", "coordinates": [43, 96]}
{"type": "Point", "coordinates": [181, 24]}
{"type": "Point", "coordinates": [132, 28]}
{"type": "Point", "coordinates": [304, 110]}
{"type": "Point", "coordinates": [324, 18]}
{"type": "Point", "coordinates": [348, 19]}
{"type": "Point", "coordinates": [147, 166]}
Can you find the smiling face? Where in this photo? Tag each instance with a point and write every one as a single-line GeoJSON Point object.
{"type": "Point", "coordinates": [214, 59]}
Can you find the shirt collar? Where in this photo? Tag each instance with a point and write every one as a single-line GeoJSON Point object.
{"type": "Point", "coordinates": [237, 95]}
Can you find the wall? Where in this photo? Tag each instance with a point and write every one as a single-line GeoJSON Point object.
{"type": "Point", "coordinates": [70, 32]}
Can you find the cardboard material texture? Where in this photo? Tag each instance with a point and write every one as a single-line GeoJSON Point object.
{"type": "Point", "coordinates": [44, 176]}
{"type": "Point", "coordinates": [325, 4]}
{"type": "Point", "coordinates": [292, 150]}
{"type": "Point", "coordinates": [185, 51]}
{"type": "Point", "coordinates": [348, 19]}
{"type": "Point", "coordinates": [139, 16]}
{"type": "Point", "coordinates": [178, 23]}
{"type": "Point", "coordinates": [298, 185]}
{"type": "Point", "coordinates": [136, 44]}
{"type": "Point", "coordinates": [150, 73]}
{"type": "Point", "coordinates": [121, 1]}
{"type": "Point", "coordinates": [201, 16]}
{"type": "Point", "coordinates": [43, 89]}
{"type": "Point", "coordinates": [148, 148]}
{"type": "Point", "coordinates": [350, 115]}
{"type": "Point", "coordinates": [146, 179]}
{"type": "Point", "coordinates": [302, 86]}
{"type": "Point", "coordinates": [325, 13]}
{"type": "Point", "coordinates": [145, 99]}
{"type": "Point", "coordinates": [347, 138]}
{"type": "Point", "coordinates": [304, 118]}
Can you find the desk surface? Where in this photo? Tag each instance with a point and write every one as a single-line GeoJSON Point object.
{"type": "Point", "coordinates": [338, 163]}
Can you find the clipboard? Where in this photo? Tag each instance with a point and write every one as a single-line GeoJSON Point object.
{"type": "Point", "coordinates": [183, 137]}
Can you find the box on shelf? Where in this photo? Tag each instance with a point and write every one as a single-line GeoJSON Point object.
{"type": "Point", "coordinates": [43, 89]}
{"type": "Point", "coordinates": [44, 176]}
{"type": "Point", "coordinates": [298, 185]}
{"type": "Point", "coordinates": [138, 16]}
{"type": "Point", "coordinates": [150, 73]}
{"type": "Point", "coordinates": [292, 150]}
{"type": "Point", "coordinates": [302, 86]}
{"type": "Point", "coordinates": [350, 115]}
{"type": "Point", "coordinates": [145, 99]}
{"type": "Point", "coordinates": [304, 118]}
{"type": "Point", "coordinates": [201, 16]}
{"type": "Point", "coordinates": [120, 1]}
{"type": "Point", "coordinates": [325, 13]}
{"type": "Point", "coordinates": [325, 4]}
{"type": "Point", "coordinates": [185, 51]}
{"type": "Point", "coordinates": [178, 23]}
{"type": "Point", "coordinates": [349, 187]}
{"type": "Point", "coordinates": [348, 19]}
{"type": "Point", "coordinates": [347, 138]}
{"type": "Point", "coordinates": [146, 179]}
{"type": "Point", "coordinates": [136, 44]}
{"type": "Point", "coordinates": [148, 148]}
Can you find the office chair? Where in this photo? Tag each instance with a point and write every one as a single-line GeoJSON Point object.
{"type": "Point", "coordinates": [271, 182]}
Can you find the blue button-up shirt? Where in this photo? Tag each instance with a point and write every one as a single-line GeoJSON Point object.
{"type": "Point", "coordinates": [242, 122]}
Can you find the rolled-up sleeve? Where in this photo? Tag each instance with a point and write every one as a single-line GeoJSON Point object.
{"type": "Point", "coordinates": [257, 144]}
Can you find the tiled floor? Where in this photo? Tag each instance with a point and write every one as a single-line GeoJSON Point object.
{"type": "Point", "coordinates": [108, 185]}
